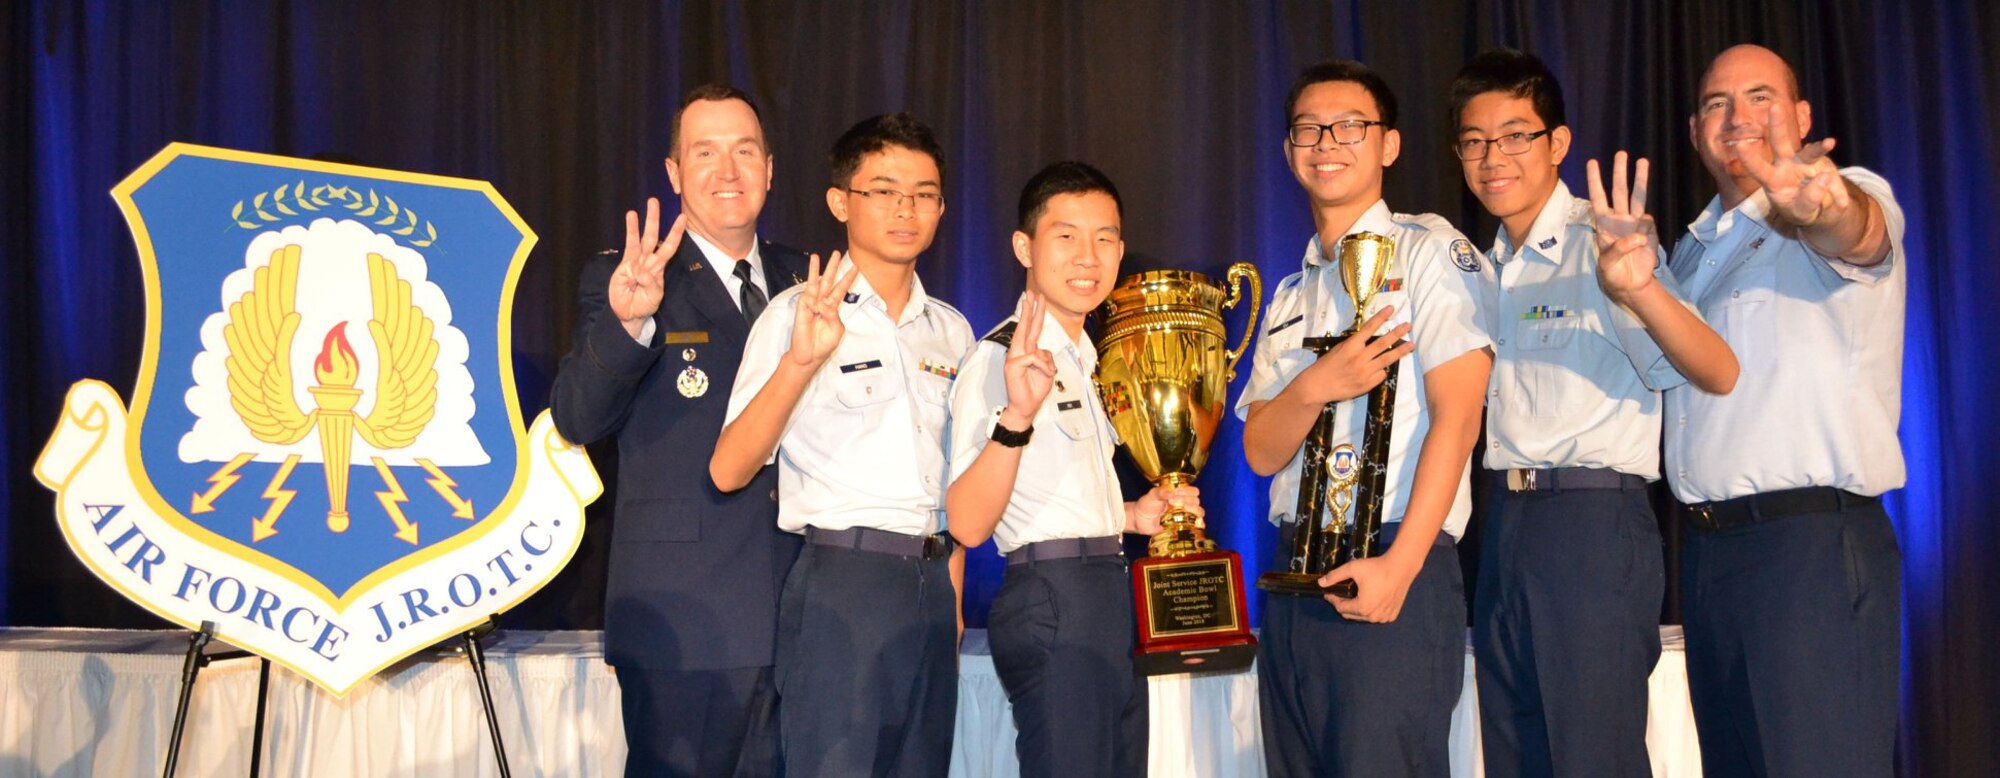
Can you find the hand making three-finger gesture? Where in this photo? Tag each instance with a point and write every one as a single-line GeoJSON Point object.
{"type": "Point", "coordinates": [1802, 183]}
{"type": "Point", "coordinates": [816, 326]}
{"type": "Point", "coordinates": [1030, 369]}
{"type": "Point", "coordinates": [640, 280]}
{"type": "Point", "coordinates": [1627, 240]}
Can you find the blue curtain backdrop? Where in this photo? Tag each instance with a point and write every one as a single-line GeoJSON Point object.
{"type": "Point", "coordinates": [564, 107]}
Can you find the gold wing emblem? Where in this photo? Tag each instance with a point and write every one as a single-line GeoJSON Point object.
{"type": "Point", "coordinates": [259, 334]}
{"type": "Point", "coordinates": [406, 361]}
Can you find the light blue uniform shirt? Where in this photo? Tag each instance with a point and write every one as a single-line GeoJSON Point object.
{"type": "Point", "coordinates": [1438, 284]}
{"type": "Point", "coordinates": [1576, 377]}
{"type": "Point", "coordinates": [1821, 345]}
{"type": "Point", "coordinates": [1066, 486]}
{"type": "Point", "coordinates": [865, 444]}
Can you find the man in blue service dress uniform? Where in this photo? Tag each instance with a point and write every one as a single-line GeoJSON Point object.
{"type": "Point", "coordinates": [692, 598]}
{"type": "Point", "coordinates": [1365, 686]}
{"type": "Point", "coordinates": [1031, 463]}
{"type": "Point", "coordinates": [844, 384]}
{"type": "Point", "coordinates": [1589, 330]}
{"type": "Point", "coordinates": [1791, 575]}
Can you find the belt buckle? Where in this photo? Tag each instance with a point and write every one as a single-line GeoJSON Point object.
{"type": "Point", "coordinates": [1520, 479]}
{"type": "Point", "coordinates": [1704, 514]}
{"type": "Point", "coordinates": [935, 546]}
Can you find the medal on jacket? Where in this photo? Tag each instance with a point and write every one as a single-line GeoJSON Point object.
{"type": "Point", "coordinates": [693, 383]}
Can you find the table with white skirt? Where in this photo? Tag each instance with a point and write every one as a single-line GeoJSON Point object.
{"type": "Point", "coordinates": [100, 703]}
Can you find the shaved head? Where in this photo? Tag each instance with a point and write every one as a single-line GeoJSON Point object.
{"type": "Point", "coordinates": [1749, 55]}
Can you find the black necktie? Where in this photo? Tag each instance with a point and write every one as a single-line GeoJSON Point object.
{"type": "Point", "coordinates": [751, 298]}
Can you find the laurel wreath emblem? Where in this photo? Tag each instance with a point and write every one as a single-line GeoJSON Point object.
{"type": "Point", "coordinates": [293, 199]}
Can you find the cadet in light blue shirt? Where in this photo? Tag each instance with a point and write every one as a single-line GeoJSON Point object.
{"type": "Point", "coordinates": [1588, 330]}
{"type": "Point", "coordinates": [1792, 578]}
{"type": "Point", "coordinates": [1365, 686]}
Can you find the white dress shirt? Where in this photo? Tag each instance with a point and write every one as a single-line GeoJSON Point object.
{"type": "Point", "coordinates": [1066, 487]}
{"type": "Point", "coordinates": [1821, 345]}
{"type": "Point", "coordinates": [865, 444]}
{"type": "Point", "coordinates": [1438, 284]}
{"type": "Point", "coordinates": [1576, 377]}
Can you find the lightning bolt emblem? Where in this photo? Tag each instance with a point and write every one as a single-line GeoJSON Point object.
{"type": "Point", "coordinates": [392, 502]}
{"type": "Point", "coordinates": [224, 478]}
{"type": "Point", "coordinates": [280, 497]}
{"type": "Point", "coordinates": [445, 487]}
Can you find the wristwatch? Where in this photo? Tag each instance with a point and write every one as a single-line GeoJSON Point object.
{"type": "Point", "coordinates": [1010, 438]}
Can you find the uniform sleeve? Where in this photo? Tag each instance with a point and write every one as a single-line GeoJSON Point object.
{"type": "Point", "coordinates": [769, 339]}
{"type": "Point", "coordinates": [1877, 188]}
{"type": "Point", "coordinates": [1451, 302]}
{"type": "Point", "coordinates": [981, 386]}
{"type": "Point", "coordinates": [1655, 370]}
{"type": "Point", "coordinates": [1267, 378]}
{"type": "Point", "coordinates": [599, 377]}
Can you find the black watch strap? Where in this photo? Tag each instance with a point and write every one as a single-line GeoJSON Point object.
{"type": "Point", "coordinates": [1010, 438]}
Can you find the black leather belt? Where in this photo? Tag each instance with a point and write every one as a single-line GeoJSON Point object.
{"type": "Point", "coordinates": [1066, 548]}
{"type": "Point", "coordinates": [880, 541]}
{"type": "Point", "coordinates": [1564, 479]}
{"type": "Point", "coordinates": [1744, 511]}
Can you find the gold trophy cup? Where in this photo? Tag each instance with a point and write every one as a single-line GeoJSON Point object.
{"type": "Point", "coordinates": [1164, 374]}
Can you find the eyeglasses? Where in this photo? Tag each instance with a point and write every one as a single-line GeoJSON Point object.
{"type": "Point", "coordinates": [1345, 133]}
{"type": "Point", "coordinates": [922, 202]}
{"type": "Point", "coordinates": [1472, 149]}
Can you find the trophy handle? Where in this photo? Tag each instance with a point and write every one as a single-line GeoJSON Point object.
{"type": "Point", "coordinates": [1237, 272]}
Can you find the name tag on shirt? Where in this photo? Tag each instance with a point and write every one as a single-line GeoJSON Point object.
{"type": "Point", "coordinates": [1069, 405]}
{"type": "Point", "coordinates": [1288, 322]}
{"type": "Point", "coordinates": [692, 336]}
{"type": "Point", "coordinates": [860, 366]}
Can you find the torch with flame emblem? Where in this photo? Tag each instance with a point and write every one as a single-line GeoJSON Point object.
{"type": "Point", "coordinates": [262, 325]}
{"type": "Point", "coordinates": [336, 368]}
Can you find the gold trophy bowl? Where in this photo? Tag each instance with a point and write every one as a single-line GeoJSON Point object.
{"type": "Point", "coordinates": [1163, 372]}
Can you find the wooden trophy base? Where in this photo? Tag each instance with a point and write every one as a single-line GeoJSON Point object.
{"type": "Point", "coordinates": [1191, 614]}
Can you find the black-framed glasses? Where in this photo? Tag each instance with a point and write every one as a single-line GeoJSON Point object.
{"type": "Point", "coordinates": [1472, 149]}
{"type": "Point", "coordinates": [921, 202]}
{"type": "Point", "coordinates": [1346, 132]}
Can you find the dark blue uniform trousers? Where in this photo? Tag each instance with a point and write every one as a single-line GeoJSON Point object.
{"type": "Point", "coordinates": [867, 670]}
{"type": "Point", "coordinates": [1063, 633]}
{"type": "Point", "coordinates": [708, 723]}
{"type": "Point", "coordinates": [1794, 644]}
{"type": "Point", "coordinates": [1566, 630]}
{"type": "Point", "coordinates": [1347, 698]}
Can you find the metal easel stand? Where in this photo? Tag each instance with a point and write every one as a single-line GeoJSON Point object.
{"type": "Point", "coordinates": [198, 658]}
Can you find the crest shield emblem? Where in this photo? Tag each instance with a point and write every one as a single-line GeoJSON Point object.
{"type": "Point", "coordinates": [324, 453]}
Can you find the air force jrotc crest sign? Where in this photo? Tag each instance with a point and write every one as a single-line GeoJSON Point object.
{"type": "Point", "coordinates": [324, 454]}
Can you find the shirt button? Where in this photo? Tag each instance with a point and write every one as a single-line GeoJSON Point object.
{"type": "Point", "coordinates": [1496, 393]}
{"type": "Point", "coordinates": [774, 495]}
{"type": "Point", "coordinates": [1735, 293]}
{"type": "Point", "coordinates": [1493, 445]}
{"type": "Point", "coordinates": [1684, 421]}
{"type": "Point", "coordinates": [1503, 341]}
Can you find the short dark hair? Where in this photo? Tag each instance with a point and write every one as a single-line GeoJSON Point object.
{"type": "Point", "coordinates": [1514, 74]}
{"type": "Point", "coordinates": [1062, 178]}
{"type": "Point", "coordinates": [876, 133]}
{"type": "Point", "coordinates": [717, 92]}
{"type": "Point", "coordinates": [1344, 70]}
